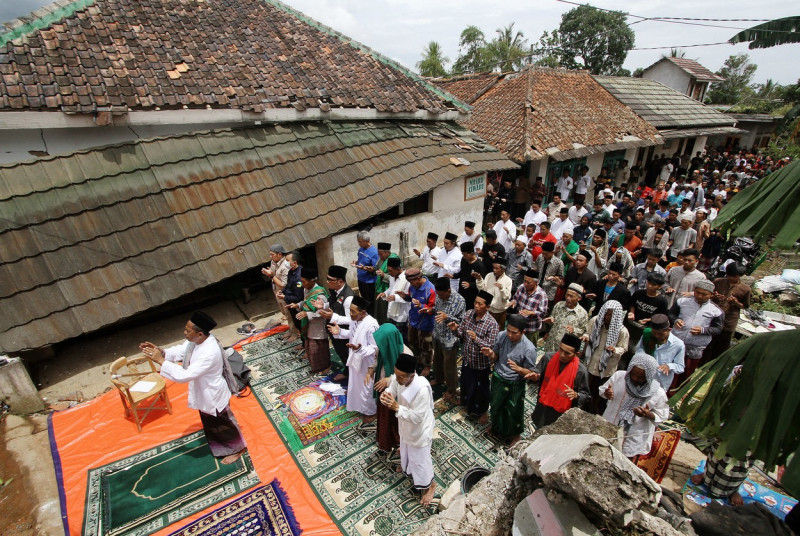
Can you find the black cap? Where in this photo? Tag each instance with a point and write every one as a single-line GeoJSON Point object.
{"type": "Point", "coordinates": [585, 253]}
{"type": "Point", "coordinates": [339, 272]}
{"type": "Point", "coordinates": [491, 233]}
{"type": "Point", "coordinates": [501, 261]}
{"type": "Point", "coordinates": [450, 236]}
{"type": "Point", "coordinates": [393, 262]}
{"type": "Point", "coordinates": [616, 267]}
{"type": "Point", "coordinates": [571, 340]}
{"type": "Point", "coordinates": [442, 283]}
{"type": "Point", "coordinates": [469, 224]}
{"type": "Point", "coordinates": [384, 246]}
{"type": "Point", "coordinates": [406, 363]}
{"type": "Point", "coordinates": [307, 272]}
{"type": "Point", "coordinates": [485, 296]}
{"type": "Point", "coordinates": [468, 247]}
{"type": "Point", "coordinates": [548, 246]}
{"type": "Point", "coordinates": [203, 321]}
{"type": "Point", "coordinates": [360, 302]}
{"type": "Point", "coordinates": [530, 272]}
{"type": "Point", "coordinates": [433, 236]}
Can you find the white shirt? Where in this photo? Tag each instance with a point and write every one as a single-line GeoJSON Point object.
{"type": "Point", "coordinates": [359, 396]}
{"type": "Point", "coordinates": [582, 184]}
{"type": "Point", "coordinates": [559, 226]}
{"type": "Point", "coordinates": [639, 436]}
{"type": "Point", "coordinates": [564, 186]}
{"type": "Point", "coordinates": [535, 218]}
{"type": "Point", "coordinates": [553, 210]}
{"type": "Point", "coordinates": [471, 238]}
{"type": "Point", "coordinates": [575, 214]}
{"type": "Point", "coordinates": [398, 308]}
{"type": "Point", "coordinates": [415, 420]}
{"type": "Point", "coordinates": [427, 260]}
{"type": "Point", "coordinates": [208, 390]}
{"type": "Point", "coordinates": [506, 234]}
{"type": "Point", "coordinates": [452, 265]}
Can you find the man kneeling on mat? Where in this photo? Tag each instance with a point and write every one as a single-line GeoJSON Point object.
{"type": "Point", "coordinates": [410, 396]}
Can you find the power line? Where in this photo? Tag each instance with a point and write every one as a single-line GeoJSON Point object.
{"type": "Point", "coordinates": [684, 46]}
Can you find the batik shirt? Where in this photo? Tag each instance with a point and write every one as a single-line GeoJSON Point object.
{"type": "Point", "coordinates": [578, 318]}
{"type": "Point", "coordinates": [454, 308]}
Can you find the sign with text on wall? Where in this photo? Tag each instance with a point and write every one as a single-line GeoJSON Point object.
{"type": "Point", "coordinates": [474, 186]}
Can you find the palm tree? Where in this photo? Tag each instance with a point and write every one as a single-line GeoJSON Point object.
{"type": "Point", "coordinates": [676, 53]}
{"type": "Point", "coordinates": [770, 34]}
{"type": "Point", "coordinates": [509, 49]}
{"type": "Point", "coordinates": [433, 61]}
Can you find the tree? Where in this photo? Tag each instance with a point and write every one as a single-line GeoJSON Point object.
{"type": "Point", "coordinates": [509, 49]}
{"type": "Point", "coordinates": [432, 63]}
{"type": "Point", "coordinates": [770, 34]}
{"type": "Point", "coordinates": [737, 72]}
{"type": "Point", "coordinates": [675, 53]}
{"type": "Point", "coordinates": [591, 39]}
{"type": "Point", "coordinates": [473, 56]}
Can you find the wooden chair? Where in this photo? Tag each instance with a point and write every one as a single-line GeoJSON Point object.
{"type": "Point", "coordinates": [125, 374]}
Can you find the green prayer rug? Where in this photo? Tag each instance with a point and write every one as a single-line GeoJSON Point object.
{"type": "Point", "coordinates": [148, 491]}
{"type": "Point", "coordinates": [359, 488]}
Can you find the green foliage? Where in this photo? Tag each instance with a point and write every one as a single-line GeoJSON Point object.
{"type": "Point", "coordinates": [770, 34]}
{"type": "Point", "coordinates": [738, 73]}
{"type": "Point", "coordinates": [473, 55]}
{"type": "Point", "coordinates": [757, 411]}
{"type": "Point", "coordinates": [768, 303]}
{"type": "Point", "coordinates": [591, 39]}
{"type": "Point", "coordinates": [509, 50]}
{"type": "Point", "coordinates": [433, 61]}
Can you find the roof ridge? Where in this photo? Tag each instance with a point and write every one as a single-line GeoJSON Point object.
{"type": "Point", "coordinates": [364, 48]}
{"type": "Point", "coordinates": [527, 126]}
{"type": "Point", "coordinates": [41, 18]}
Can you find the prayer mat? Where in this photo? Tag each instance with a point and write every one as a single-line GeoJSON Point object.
{"type": "Point", "coordinates": [357, 485]}
{"type": "Point", "coordinates": [311, 402]}
{"type": "Point", "coordinates": [751, 492]}
{"type": "Point", "coordinates": [150, 490]}
{"type": "Point", "coordinates": [265, 511]}
{"type": "Point", "coordinates": [656, 462]}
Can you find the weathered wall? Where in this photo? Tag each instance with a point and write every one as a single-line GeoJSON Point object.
{"type": "Point", "coordinates": [669, 75]}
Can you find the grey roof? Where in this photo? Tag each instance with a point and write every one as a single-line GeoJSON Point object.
{"type": "Point", "coordinates": [96, 236]}
{"type": "Point", "coordinates": [662, 106]}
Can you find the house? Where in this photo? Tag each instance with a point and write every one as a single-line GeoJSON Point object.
{"type": "Point", "coordinates": [683, 75]}
{"type": "Point", "coordinates": [549, 120]}
{"type": "Point", "coordinates": [758, 131]}
{"type": "Point", "coordinates": [153, 148]}
{"type": "Point", "coordinates": [684, 123]}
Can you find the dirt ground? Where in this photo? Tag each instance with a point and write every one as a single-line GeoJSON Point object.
{"type": "Point", "coordinates": [16, 506]}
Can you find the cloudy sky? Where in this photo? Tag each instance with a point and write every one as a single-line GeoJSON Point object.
{"type": "Point", "coordinates": [401, 29]}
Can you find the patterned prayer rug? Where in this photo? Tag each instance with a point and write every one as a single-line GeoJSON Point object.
{"type": "Point", "coordinates": [357, 485]}
{"type": "Point", "coordinates": [265, 511]}
{"type": "Point", "coordinates": [751, 492]}
{"type": "Point", "coordinates": [149, 491]}
{"type": "Point", "coordinates": [656, 462]}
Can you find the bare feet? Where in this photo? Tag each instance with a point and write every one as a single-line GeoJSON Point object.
{"type": "Point", "coordinates": [398, 470]}
{"type": "Point", "coordinates": [231, 458]}
{"type": "Point", "coordinates": [736, 499]}
{"type": "Point", "coordinates": [697, 479]}
{"type": "Point", "coordinates": [483, 419]}
{"type": "Point", "coordinates": [427, 497]}
{"type": "Point", "coordinates": [291, 338]}
{"type": "Point", "coordinates": [447, 396]}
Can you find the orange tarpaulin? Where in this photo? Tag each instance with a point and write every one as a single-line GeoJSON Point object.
{"type": "Point", "coordinates": [96, 433]}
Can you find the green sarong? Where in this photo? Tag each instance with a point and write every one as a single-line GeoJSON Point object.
{"type": "Point", "coordinates": [507, 409]}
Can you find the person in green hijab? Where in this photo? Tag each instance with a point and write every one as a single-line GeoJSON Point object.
{"type": "Point", "coordinates": [390, 346]}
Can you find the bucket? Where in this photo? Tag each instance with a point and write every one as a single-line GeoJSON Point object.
{"type": "Point", "coordinates": [472, 477]}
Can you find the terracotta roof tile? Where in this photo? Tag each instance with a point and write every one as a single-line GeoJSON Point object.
{"type": "Point", "coordinates": [539, 112]}
{"type": "Point", "coordinates": [695, 69]}
{"type": "Point", "coordinates": [263, 51]}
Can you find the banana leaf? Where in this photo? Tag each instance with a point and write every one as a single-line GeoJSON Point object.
{"type": "Point", "coordinates": [768, 207]}
{"type": "Point", "coordinates": [756, 412]}
{"type": "Point", "coordinates": [770, 34]}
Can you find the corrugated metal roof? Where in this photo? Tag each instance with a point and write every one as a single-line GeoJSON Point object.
{"type": "Point", "coordinates": [662, 106]}
{"type": "Point", "coordinates": [97, 236]}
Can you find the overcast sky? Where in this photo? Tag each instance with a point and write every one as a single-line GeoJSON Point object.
{"type": "Point", "coordinates": [401, 29]}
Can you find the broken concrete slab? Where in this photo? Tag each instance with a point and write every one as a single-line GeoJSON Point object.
{"type": "Point", "coordinates": [550, 514]}
{"type": "Point", "coordinates": [588, 469]}
{"type": "Point", "coordinates": [576, 421]}
{"type": "Point", "coordinates": [17, 389]}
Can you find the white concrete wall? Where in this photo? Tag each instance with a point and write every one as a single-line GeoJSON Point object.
{"type": "Point", "coordinates": [670, 75]}
{"type": "Point", "coordinates": [449, 212]}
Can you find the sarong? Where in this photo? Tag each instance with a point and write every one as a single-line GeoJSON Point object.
{"type": "Point", "coordinates": [475, 393]}
{"type": "Point", "coordinates": [222, 433]}
{"type": "Point", "coordinates": [724, 475]}
{"type": "Point", "coordinates": [318, 353]}
{"type": "Point", "coordinates": [544, 415]}
{"type": "Point", "coordinates": [417, 463]}
{"type": "Point", "coordinates": [508, 406]}
{"type": "Point", "coordinates": [388, 433]}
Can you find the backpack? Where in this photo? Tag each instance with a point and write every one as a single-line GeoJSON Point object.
{"type": "Point", "coordinates": [236, 373]}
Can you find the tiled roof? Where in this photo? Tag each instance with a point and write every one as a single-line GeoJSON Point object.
{"type": "Point", "coordinates": [546, 112]}
{"type": "Point", "coordinates": [661, 105]}
{"type": "Point", "coordinates": [253, 55]}
{"type": "Point", "coordinates": [96, 236]}
{"type": "Point", "coordinates": [694, 69]}
{"type": "Point", "coordinates": [468, 88]}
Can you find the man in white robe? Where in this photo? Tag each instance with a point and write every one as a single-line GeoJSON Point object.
{"type": "Point", "coordinates": [637, 402]}
{"type": "Point", "coordinates": [506, 230]}
{"type": "Point", "coordinates": [410, 396]}
{"type": "Point", "coordinates": [201, 365]}
{"type": "Point", "coordinates": [360, 359]}
{"type": "Point", "coordinates": [449, 261]}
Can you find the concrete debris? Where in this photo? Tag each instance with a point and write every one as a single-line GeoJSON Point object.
{"type": "Point", "coordinates": [576, 421]}
{"type": "Point", "coordinates": [551, 514]}
{"type": "Point", "coordinates": [588, 469]}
